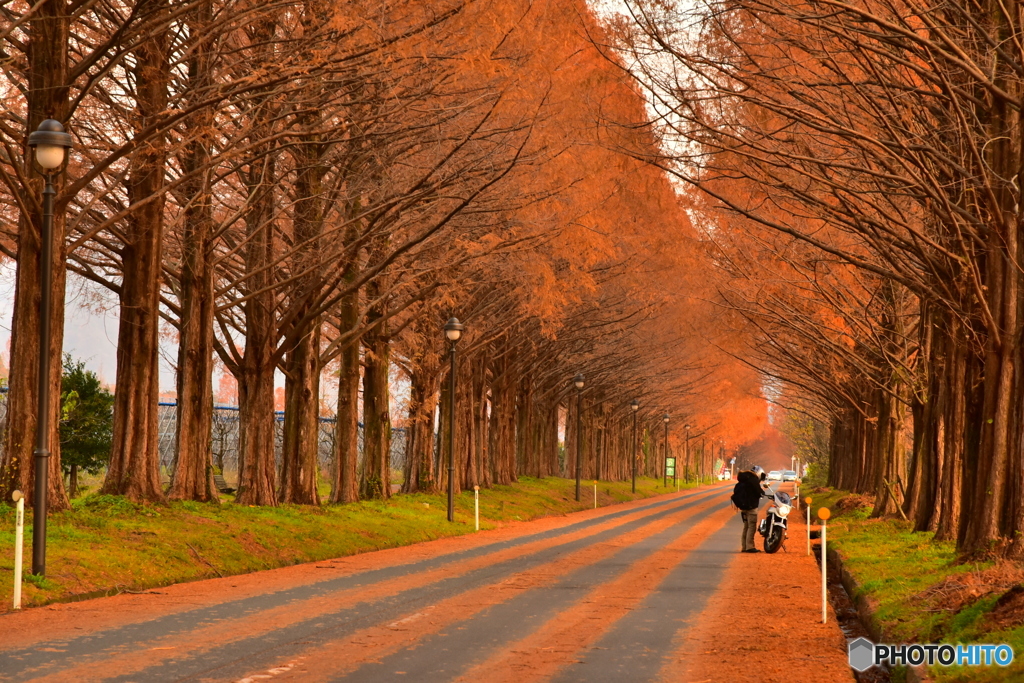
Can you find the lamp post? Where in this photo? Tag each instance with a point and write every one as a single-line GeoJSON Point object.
{"type": "Point", "coordinates": [634, 406]}
{"type": "Point", "coordinates": [50, 145]}
{"type": "Point", "coordinates": [578, 382]}
{"type": "Point", "coordinates": [702, 461]}
{"type": "Point", "coordinates": [453, 332]}
{"type": "Point", "coordinates": [687, 451]}
{"type": "Point", "coordinates": [664, 418]}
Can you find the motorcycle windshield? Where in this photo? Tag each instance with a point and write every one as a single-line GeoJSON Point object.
{"type": "Point", "coordinates": [783, 498]}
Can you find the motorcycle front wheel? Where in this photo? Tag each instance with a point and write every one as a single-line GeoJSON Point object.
{"type": "Point", "coordinates": [773, 541]}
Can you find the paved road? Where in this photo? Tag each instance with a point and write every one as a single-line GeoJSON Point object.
{"type": "Point", "coordinates": [597, 596]}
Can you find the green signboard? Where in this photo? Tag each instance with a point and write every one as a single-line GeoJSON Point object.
{"type": "Point", "coordinates": [670, 467]}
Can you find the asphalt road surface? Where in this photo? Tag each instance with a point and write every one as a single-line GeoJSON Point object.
{"type": "Point", "coordinates": [597, 596]}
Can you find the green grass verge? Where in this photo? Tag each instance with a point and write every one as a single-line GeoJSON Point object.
{"type": "Point", "coordinates": [107, 544]}
{"type": "Point", "coordinates": [915, 581]}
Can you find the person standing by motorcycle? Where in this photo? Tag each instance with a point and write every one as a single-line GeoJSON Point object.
{"type": "Point", "coordinates": [746, 496]}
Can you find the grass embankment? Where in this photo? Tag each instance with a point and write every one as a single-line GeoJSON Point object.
{"type": "Point", "coordinates": [107, 544]}
{"type": "Point", "coordinates": [922, 592]}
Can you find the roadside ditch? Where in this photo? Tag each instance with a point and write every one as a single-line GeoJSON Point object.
{"type": "Point", "coordinates": [856, 619]}
{"type": "Point", "coordinates": [906, 587]}
{"type": "Point", "coordinates": [853, 621]}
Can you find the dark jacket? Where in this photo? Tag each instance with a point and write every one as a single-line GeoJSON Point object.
{"type": "Point", "coordinates": [746, 495]}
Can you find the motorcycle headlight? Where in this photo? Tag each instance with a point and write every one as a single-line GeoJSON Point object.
{"type": "Point", "coordinates": [784, 510]}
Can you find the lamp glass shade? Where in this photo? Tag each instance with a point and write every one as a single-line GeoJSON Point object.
{"type": "Point", "coordinates": [453, 329]}
{"type": "Point", "coordinates": [49, 142]}
{"type": "Point", "coordinates": [635, 405]}
{"type": "Point", "coordinates": [687, 426]}
{"type": "Point", "coordinates": [49, 156]}
{"type": "Point", "coordinates": [578, 381]}
{"type": "Point", "coordinates": [664, 419]}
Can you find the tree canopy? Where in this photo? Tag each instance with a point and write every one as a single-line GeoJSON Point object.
{"type": "Point", "coordinates": [312, 189]}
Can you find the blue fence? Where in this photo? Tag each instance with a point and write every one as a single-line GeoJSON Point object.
{"type": "Point", "coordinates": [225, 438]}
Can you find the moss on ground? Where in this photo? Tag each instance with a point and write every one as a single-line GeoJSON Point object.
{"type": "Point", "coordinates": [923, 592]}
{"type": "Point", "coordinates": [107, 544]}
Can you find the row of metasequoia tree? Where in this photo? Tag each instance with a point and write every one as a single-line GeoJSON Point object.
{"type": "Point", "coordinates": [312, 188]}
{"type": "Point", "coordinates": [859, 165]}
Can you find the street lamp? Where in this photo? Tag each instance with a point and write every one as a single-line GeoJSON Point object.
{"type": "Point", "coordinates": [453, 332]}
{"type": "Point", "coordinates": [687, 452]}
{"type": "Point", "coordinates": [664, 418]}
{"type": "Point", "coordinates": [50, 145]}
{"type": "Point", "coordinates": [578, 382]}
{"type": "Point", "coordinates": [634, 406]}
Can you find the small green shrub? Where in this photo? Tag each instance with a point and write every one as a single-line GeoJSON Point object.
{"type": "Point", "coordinates": [109, 505]}
{"type": "Point", "coordinates": [40, 582]}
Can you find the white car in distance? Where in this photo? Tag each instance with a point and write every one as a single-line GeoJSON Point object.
{"type": "Point", "coordinates": [775, 475]}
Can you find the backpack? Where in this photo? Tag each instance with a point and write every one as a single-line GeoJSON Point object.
{"type": "Point", "coordinates": [745, 497]}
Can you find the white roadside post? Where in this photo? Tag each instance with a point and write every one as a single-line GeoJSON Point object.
{"type": "Point", "coordinates": [807, 506]}
{"type": "Point", "coordinates": [19, 541]}
{"type": "Point", "coordinates": [476, 506]}
{"type": "Point", "coordinates": [595, 494]}
{"type": "Point", "coordinates": [823, 515]}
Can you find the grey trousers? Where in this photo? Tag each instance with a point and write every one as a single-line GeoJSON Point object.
{"type": "Point", "coordinates": [749, 518]}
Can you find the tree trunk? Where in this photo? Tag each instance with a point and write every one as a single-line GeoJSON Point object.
{"type": "Point", "coordinates": [345, 488]}
{"type": "Point", "coordinates": [889, 454]}
{"type": "Point", "coordinates": [994, 521]}
{"type": "Point", "coordinates": [503, 425]}
{"type": "Point", "coordinates": [420, 444]}
{"type": "Point", "coordinates": [524, 397]}
{"type": "Point", "coordinates": [257, 466]}
{"type": "Point", "coordinates": [952, 432]}
{"type": "Point", "coordinates": [134, 467]}
{"type": "Point", "coordinates": [924, 500]}
{"type": "Point", "coordinates": [468, 435]}
{"type": "Point", "coordinates": [572, 437]}
{"type": "Point", "coordinates": [47, 97]}
{"type": "Point", "coordinates": [480, 425]}
{"type": "Point", "coordinates": [376, 479]}
{"type": "Point", "coordinates": [412, 465]}
{"type": "Point", "coordinates": [192, 478]}
{"type": "Point", "coordinates": [888, 460]}
{"type": "Point", "coordinates": [301, 443]}
{"type": "Point", "coordinates": [346, 440]}
{"type": "Point", "coordinates": [440, 475]}
{"type": "Point", "coordinates": [967, 404]}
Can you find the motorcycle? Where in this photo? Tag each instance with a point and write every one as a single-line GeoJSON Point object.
{"type": "Point", "coordinates": [773, 527]}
